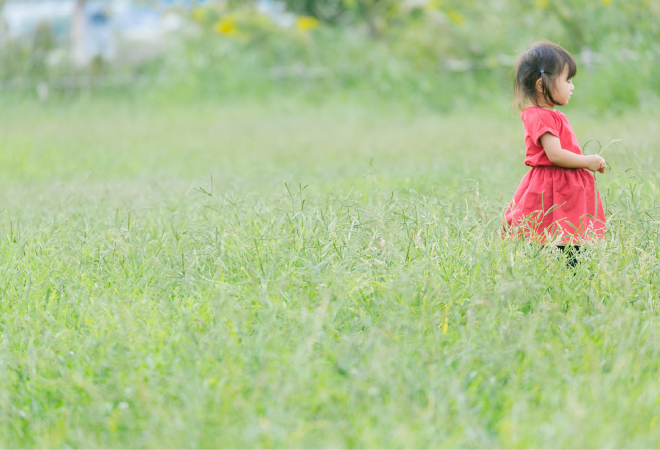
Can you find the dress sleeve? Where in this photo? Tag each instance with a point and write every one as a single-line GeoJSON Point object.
{"type": "Point", "coordinates": [540, 122]}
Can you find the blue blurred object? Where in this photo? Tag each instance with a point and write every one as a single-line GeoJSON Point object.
{"type": "Point", "coordinates": [97, 31]}
{"type": "Point", "coordinates": [23, 16]}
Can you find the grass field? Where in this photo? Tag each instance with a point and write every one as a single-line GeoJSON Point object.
{"type": "Point", "coordinates": [280, 274]}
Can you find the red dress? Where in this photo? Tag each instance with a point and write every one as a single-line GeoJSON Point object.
{"type": "Point", "coordinates": [553, 204]}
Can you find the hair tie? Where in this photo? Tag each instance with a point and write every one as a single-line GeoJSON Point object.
{"type": "Point", "coordinates": [542, 71]}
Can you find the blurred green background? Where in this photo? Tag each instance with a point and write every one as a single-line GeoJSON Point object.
{"type": "Point", "coordinates": [440, 54]}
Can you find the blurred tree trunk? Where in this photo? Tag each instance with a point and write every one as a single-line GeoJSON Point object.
{"type": "Point", "coordinates": [78, 53]}
{"type": "Point", "coordinates": [4, 29]}
{"type": "Point", "coordinates": [370, 8]}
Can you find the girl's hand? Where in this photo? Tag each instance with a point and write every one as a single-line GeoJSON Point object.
{"type": "Point", "coordinates": [595, 163]}
{"type": "Point", "coordinates": [569, 160]}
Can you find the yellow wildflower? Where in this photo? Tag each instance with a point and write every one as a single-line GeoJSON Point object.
{"type": "Point", "coordinates": [305, 23]}
{"type": "Point", "coordinates": [456, 17]}
{"type": "Point", "coordinates": [227, 26]}
{"type": "Point", "coordinates": [543, 4]}
{"type": "Point", "coordinates": [432, 4]}
{"type": "Point", "coordinates": [606, 2]}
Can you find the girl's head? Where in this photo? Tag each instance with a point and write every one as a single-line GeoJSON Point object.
{"type": "Point", "coordinates": [544, 76]}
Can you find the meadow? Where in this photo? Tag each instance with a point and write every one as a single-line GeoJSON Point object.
{"type": "Point", "coordinates": [285, 273]}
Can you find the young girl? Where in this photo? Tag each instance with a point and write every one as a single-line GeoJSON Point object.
{"type": "Point", "coordinates": [556, 202]}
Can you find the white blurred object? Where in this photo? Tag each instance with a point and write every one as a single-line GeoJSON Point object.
{"type": "Point", "coordinates": [276, 12]}
{"type": "Point", "coordinates": [55, 57]}
{"type": "Point", "coordinates": [171, 22]}
{"type": "Point", "coordinates": [135, 22]}
{"type": "Point", "coordinates": [22, 16]}
{"type": "Point", "coordinates": [43, 91]}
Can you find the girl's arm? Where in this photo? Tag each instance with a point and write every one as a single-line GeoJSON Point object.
{"type": "Point", "coordinates": [569, 160]}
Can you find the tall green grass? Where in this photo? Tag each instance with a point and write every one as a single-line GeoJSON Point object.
{"type": "Point", "coordinates": [279, 274]}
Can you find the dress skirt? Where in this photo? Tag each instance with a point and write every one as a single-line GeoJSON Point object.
{"type": "Point", "coordinates": [557, 206]}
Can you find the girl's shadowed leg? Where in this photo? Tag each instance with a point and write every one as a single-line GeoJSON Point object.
{"type": "Point", "coordinates": [572, 252]}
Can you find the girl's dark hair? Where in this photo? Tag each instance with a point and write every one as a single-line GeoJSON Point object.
{"type": "Point", "coordinates": [543, 60]}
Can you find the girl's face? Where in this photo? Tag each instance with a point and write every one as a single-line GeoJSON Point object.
{"type": "Point", "coordinates": [561, 90]}
{"type": "Point", "coordinates": [563, 87]}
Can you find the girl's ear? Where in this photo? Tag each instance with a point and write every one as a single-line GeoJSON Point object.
{"type": "Point", "coordinates": [539, 85]}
